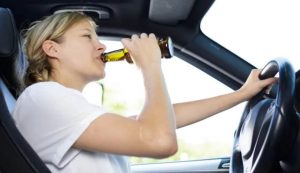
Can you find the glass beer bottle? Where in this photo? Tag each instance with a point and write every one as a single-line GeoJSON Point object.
{"type": "Point", "coordinates": [165, 45]}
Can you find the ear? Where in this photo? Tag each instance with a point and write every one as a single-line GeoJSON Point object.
{"type": "Point", "coordinates": [50, 48]}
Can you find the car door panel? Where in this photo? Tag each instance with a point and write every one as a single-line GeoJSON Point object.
{"type": "Point", "coordinates": [219, 165]}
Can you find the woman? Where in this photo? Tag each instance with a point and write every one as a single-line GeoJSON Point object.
{"type": "Point", "coordinates": [71, 135]}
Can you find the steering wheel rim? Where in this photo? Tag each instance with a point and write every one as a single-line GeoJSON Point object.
{"type": "Point", "coordinates": [265, 120]}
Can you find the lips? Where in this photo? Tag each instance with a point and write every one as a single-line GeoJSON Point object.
{"type": "Point", "coordinates": [99, 59]}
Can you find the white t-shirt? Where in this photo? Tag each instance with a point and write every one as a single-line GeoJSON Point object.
{"type": "Point", "coordinates": [51, 117]}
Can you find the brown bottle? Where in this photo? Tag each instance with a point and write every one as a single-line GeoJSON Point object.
{"type": "Point", "coordinates": [165, 45]}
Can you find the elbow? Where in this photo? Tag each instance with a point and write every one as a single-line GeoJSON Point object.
{"type": "Point", "coordinates": [168, 150]}
{"type": "Point", "coordinates": [164, 147]}
{"type": "Point", "coordinates": [158, 143]}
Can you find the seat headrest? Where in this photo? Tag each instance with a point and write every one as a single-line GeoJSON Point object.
{"type": "Point", "coordinates": [12, 61]}
{"type": "Point", "coordinates": [8, 34]}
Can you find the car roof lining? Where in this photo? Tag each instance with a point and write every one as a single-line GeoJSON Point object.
{"type": "Point", "coordinates": [162, 11]}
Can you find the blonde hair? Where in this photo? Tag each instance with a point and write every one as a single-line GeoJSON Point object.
{"type": "Point", "coordinates": [50, 28]}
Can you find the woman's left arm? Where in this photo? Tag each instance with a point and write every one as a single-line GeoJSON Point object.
{"type": "Point", "coordinates": [194, 111]}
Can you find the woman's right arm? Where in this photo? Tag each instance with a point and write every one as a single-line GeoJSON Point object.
{"type": "Point", "coordinates": [152, 133]}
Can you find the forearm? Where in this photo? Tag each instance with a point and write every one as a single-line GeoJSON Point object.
{"type": "Point", "coordinates": [157, 116]}
{"type": "Point", "coordinates": [194, 111]}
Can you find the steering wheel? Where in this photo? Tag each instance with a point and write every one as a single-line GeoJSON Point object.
{"type": "Point", "coordinates": [260, 139]}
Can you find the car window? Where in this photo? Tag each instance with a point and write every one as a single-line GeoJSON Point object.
{"type": "Point", "coordinates": [257, 31]}
{"type": "Point", "coordinates": [124, 94]}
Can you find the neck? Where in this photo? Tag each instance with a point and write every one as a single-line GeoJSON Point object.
{"type": "Point", "coordinates": [68, 81]}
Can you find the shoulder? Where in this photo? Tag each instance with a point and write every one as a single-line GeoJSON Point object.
{"type": "Point", "coordinates": [50, 96]}
{"type": "Point", "coordinates": [48, 91]}
{"type": "Point", "coordinates": [49, 88]}
{"type": "Point", "coordinates": [53, 100]}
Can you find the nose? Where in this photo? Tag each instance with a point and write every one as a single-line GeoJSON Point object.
{"type": "Point", "coordinates": [100, 46]}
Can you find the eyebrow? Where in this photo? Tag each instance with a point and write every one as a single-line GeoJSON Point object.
{"type": "Point", "coordinates": [87, 29]}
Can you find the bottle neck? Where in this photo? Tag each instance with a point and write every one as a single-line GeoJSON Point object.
{"type": "Point", "coordinates": [116, 55]}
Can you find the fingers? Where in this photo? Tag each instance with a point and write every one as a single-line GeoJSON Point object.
{"type": "Point", "coordinates": [255, 72]}
{"type": "Point", "coordinates": [143, 49]}
{"type": "Point", "coordinates": [265, 82]}
{"type": "Point", "coordinates": [125, 40]}
{"type": "Point", "coordinates": [269, 81]}
{"type": "Point", "coordinates": [134, 37]}
{"type": "Point", "coordinates": [142, 36]}
{"type": "Point", "coordinates": [151, 35]}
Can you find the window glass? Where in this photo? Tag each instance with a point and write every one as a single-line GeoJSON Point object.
{"type": "Point", "coordinates": [124, 94]}
{"type": "Point", "coordinates": [257, 31]}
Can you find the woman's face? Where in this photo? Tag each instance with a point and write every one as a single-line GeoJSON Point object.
{"type": "Point", "coordinates": [80, 53]}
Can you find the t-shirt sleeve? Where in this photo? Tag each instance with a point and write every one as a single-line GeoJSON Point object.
{"type": "Point", "coordinates": [55, 118]}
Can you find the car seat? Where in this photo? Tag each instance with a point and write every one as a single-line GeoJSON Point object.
{"type": "Point", "coordinates": [297, 92]}
{"type": "Point", "coordinates": [16, 155]}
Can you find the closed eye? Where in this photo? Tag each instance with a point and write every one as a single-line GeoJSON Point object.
{"type": "Point", "coordinates": [88, 36]}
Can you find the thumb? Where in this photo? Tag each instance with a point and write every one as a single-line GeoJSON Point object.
{"type": "Point", "coordinates": [126, 43]}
